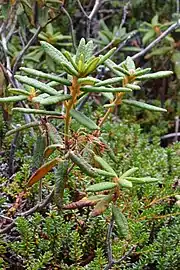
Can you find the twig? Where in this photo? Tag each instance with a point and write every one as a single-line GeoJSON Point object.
{"type": "Point", "coordinates": [126, 255]}
{"type": "Point", "coordinates": [82, 9]}
{"type": "Point", "coordinates": [90, 17]}
{"type": "Point", "coordinates": [122, 44]}
{"type": "Point", "coordinates": [125, 12]}
{"type": "Point", "coordinates": [171, 135]}
{"type": "Point", "coordinates": [21, 38]}
{"type": "Point", "coordinates": [37, 207]}
{"type": "Point", "coordinates": [3, 25]}
{"type": "Point", "coordinates": [4, 45]}
{"type": "Point", "coordinates": [11, 155]}
{"type": "Point", "coordinates": [95, 9]}
{"type": "Point", "coordinates": [8, 218]}
{"type": "Point", "coordinates": [108, 241]}
{"type": "Point", "coordinates": [123, 258]}
{"type": "Point", "coordinates": [9, 35]}
{"type": "Point", "coordinates": [176, 128]}
{"type": "Point", "coordinates": [72, 27]}
{"type": "Point", "coordinates": [158, 217]}
{"type": "Point", "coordinates": [157, 40]}
{"type": "Point", "coordinates": [105, 48]}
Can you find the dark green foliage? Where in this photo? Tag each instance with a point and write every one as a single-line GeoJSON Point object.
{"type": "Point", "coordinates": [60, 183]}
{"type": "Point", "coordinates": [70, 238]}
{"type": "Point", "coordinates": [53, 239]}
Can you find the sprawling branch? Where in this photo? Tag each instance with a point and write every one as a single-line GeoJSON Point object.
{"type": "Point", "coordinates": [91, 15]}
{"type": "Point", "coordinates": [108, 241]}
{"type": "Point", "coordinates": [123, 258]}
{"type": "Point", "coordinates": [95, 9]}
{"type": "Point", "coordinates": [37, 207]}
{"type": "Point", "coordinates": [157, 40]}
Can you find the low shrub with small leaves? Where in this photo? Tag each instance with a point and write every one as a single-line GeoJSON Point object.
{"type": "Point", "coordinates": [76, 240]}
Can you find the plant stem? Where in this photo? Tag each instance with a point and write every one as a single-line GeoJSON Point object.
{"type": "Point", "coordinates": [117, 101]}
{"type": "Point", "coordinates": [74, 89]}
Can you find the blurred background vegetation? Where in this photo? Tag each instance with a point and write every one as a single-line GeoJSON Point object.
{"type": "Point", "coordinates": [74, 239]}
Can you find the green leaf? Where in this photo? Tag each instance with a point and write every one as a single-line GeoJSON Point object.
{"type": "Point", "coordinates": [23, 127]}
{"type": "Point", "coordinates": [142, 180]}
{"type": "Point", "coordinates": [123, 70]}
{"type": "Point", "coordinates": [81, 63]}
{"type": "Point", "coordinates": [104, 27]}
{"type": "Point", "coordinates": [148, 36]}
{"type": "Point", "coordinates": [157, 75]}
{"type": "Point", "coordinates": [91, 66]}
{"type": "Point", "coordinates": [108, 96]}
{"type": "Point", "coordinates": [159, 51]}
{"type": "Point", "coordinates": [104, 173]}
{"type": "Point", "coordinates": [36, 84]}
{"type": "Point", "coordinates": [104, 164]}
{"type": "Point", "coordinates": [39, 148]}
{"type": "Point", "coordinates": [80, 49]}
{"type": "Point", "coordinates": [42, 15]}
{"type": "Point", "coordinates": [109, 81]}
{"type": "Point", "coordinates": [40, 97]}
{"type": "Point", "coordinates": [133, 86]}
{"type": "Point", "coordinates": [34, 111]}
{"type": "Point", "coordinates": [130, 63]}
{"type": "Point", "coordinates": [111, 65]}
{"type": "Point", "coordinates": [70, 59]}
{"type": "Point", "coordinates": [55, 54]}
{"type": "Point", "coordinates": [88, 80]}
{"type": "Point", "coordinates": [104, 89]}
{"type": "Point", "coordinates": [143, 105]}
{"type": "Point", "coordinates": [142, 71]}
{"type": "Point", "coordinates": [101, 186]}
{"type": "Point", "coordinates": [18, 91]}
{"type": "Point", "coordinates": [13, 99]}
{"type": "Point", "coordinates": [130, 49]}
{"type": "Point", "coordinates": [176, 60]}
{"type": "Point", "coordinates": [82, 164]}
{"type": "Point", "coordinates": [83, 119]}
{"type": "Point", "coordinates": [121, 222]}
{"type": "Point", "coordinates": [125, 183]}
{"type": "Point", "coordinates": [103, 58]}
{"type": "Point", "coordinates": [53, 83]}
{"type": "Point", "coordinates": [60, 181]}
{"type": "Point", "coordinates": [41, 74]}
{"type": "Point", "coordinates": [109, 150]}
{"type": "Point", "coordinates": [54, 100]}
{"type": "Point", "coordinates": [177, 197]}
{"type": "Point", "coordinates": [154, 20]}
{"type": "Point", "coordinates": [89, 50]}
{"type": "Point", "coordinates": [70, 69]}
{"type": "Point", "coordinates": [129, 172]}
{"type": "Point", "coordinates": [53, 134]}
